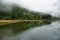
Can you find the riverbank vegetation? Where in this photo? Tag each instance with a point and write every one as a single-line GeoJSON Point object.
{"type": "Point", "coordinates": [28, 19]}
{"type": "Point", "coordinates": [19, 13]}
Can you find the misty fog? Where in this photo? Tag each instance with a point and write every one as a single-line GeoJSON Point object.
{"type": "Point", "coordinates": [44, 32]}
{"type": "Point", "coordinates": [48, 6]}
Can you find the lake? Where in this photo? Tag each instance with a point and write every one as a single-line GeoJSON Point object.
{"type": "Point", "coordinates": [42, 32]}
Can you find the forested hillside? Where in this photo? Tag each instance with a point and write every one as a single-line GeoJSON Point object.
{"type": "Point", "coordinates": [20, 13]}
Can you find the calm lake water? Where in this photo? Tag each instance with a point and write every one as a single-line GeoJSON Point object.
{"type": "Point", "coordinates": [45, 32]}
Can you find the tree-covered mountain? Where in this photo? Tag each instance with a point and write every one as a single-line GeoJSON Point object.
{"type": "Point", "coordinates": [21, 13]}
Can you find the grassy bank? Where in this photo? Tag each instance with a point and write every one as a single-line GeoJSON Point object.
{"type": "Point", "coordinates": [21, 25]}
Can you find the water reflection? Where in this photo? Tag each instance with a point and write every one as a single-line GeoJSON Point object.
{"type": "Point", "coordinates": [46, 32]}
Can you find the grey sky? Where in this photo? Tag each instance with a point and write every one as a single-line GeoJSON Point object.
{"type": "Point", "coordinates": [37, 5]}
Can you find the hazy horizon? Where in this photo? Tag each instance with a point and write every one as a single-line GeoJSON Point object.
{"type": "Point", "coordinates": [49, 6]}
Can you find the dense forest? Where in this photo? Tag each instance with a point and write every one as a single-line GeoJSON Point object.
{"type": "Point", "coordinates": [21, 13]}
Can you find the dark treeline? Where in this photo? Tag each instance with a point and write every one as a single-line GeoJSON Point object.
{"type": "Point", "coordinates": [22, 14]}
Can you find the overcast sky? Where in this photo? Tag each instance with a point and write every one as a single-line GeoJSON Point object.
{"type": "Point", "coordinates": [36, 5]}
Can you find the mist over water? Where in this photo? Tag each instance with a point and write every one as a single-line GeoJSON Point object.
{"type": "Point", "coordinates": [46, 32]}
{"type": "Point", "coordinates": [48, 6]}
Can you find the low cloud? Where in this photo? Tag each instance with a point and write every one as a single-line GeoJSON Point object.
{"type": "Point", "coordinates": [35, 5]}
